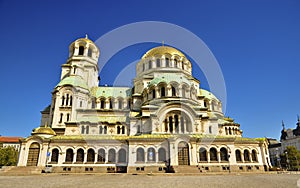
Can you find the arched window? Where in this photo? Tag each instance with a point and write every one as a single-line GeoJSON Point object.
{"type": "Point", "coordinates": [162, 92]}
{"type": "Point", "coordinates": [122, 156]}
{"type": "Point", "coordinates": [101, 155]}
{"type": "Point", "coordinates": [102, 103]}
{"type": "Point", "coordinates": [69, 155]}
{"type": "Point", "coordinates": [167, 62]}
{"type": "Point", "coordinates": [71, 100]}
{"type": "Point", "coordinates": [90, 155]}
{"type": "Point", "coordinates": [140, 155]}
{"type": "Point", "coordinates": [90, 52]}
{"type": "Point", "coordinates": [54, 155]}
{"type": "Point", "coordinates": [153, 94]}
{"type": "Point", "coordinates": [81, 50]}
{"type": "Point", "coordinates": [171, 124]}
{"type": "Point", "coordinates": [246, 155]}
{"type": "Point", "coordinates": [118, 130]}
{"type": "Point", "coordinates": [229, 131]}
{"type": "Point", "coordinates": [150, 64]}
{"type": "Point", "coordinates": [68, 117]}
{"type": "Point", "coordinates": [80, 155]}
{"type": "Point", "coordinates": [105, 129]}
{"type": "Point", "coordinates": [110, 104]}
{"type": "Point", "coordinates": [162, 155]}
{"type": "Point", "coordinates": [120, 104]}
{"type": "Point", "coordinates": [100, 129]}
{"type": "Point", "coordinates": [63, 100]}
{"type": "Point", "coordinates": [157, 62]}
{"type": "Point", "coordinates": [213, 154]}
{"type": "Point", "coordinates": [123, 129]}
{"type": "Point", "coordinates": [238, 156]}
{"type": "Point", "coordinates": [151, 154]}
{"type": "Point", "coordinates": [112, 156]}
{"type": "Point", "coordinates": [175, 63]}
{"type": "Point", "coordinates": [202, 154]}
{"type": "Point", "coordinates": [67, 100]}
{"type": "Point", "coordinates": [254, 156]}
{"type": "Point", "coordinates": [61, 117]}
{"type": "Point", "coordinates": [176, 123]}
{"type": "Point", "coordinates": [82, 129]}
{"type": "Point", "coordinates": [226, 131]}
{"type": "Point", "coordinates": [205, 104]}
{"type": "Point", "coordinates": [224, 154]}
{"type": "Point", "coordinates": [173, 91]}
{"type": "Point", "coordinates": [87, 129]}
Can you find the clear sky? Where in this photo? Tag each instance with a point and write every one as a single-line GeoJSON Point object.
{"type": "Point", "coordinates": [256, 43]}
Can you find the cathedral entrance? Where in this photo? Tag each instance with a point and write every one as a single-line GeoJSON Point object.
{"type": "Point", "coordinates": [183, 154]}
{"type": "Point", "coordinates": [33, 154]}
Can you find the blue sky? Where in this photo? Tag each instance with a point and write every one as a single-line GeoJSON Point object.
{"type": "Point", "coordinates": [256, 43]}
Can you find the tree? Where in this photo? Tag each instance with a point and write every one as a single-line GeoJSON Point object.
{"type": "Point", "coordinates": [291, 158]}
{"type": "Point", "coordinates": [8, 156]}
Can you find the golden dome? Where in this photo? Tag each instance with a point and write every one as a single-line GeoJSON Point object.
{"type": "Point", "coordinates": [43, 130]}
{"type": "Point", "coordinates": [162, 50]}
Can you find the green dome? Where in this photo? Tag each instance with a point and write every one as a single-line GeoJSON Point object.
{"type": "Point", "coordinates": [73, 81]}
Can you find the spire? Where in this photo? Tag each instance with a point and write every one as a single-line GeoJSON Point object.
{"type": "Point", "coordinates": [282, 123]}
{"type": "Point", "coordinates": [298, 120]}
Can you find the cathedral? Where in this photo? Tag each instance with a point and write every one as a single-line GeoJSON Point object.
{"type": "Point", "coordinates": [164, 123]}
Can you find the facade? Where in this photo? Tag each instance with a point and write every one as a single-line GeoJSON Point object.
{"type": "Point", "coordinates": [289, 137]}
{"type": "Point", "coordinates": [8, 141]}
{"type": "Point", "coordinates": [165, 123]}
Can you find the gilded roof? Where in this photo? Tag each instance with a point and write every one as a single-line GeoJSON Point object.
{"type": "Point", "coordinates": [43, 130]}
{"type": "Point", "coordinates": [161, 50]}
{"type": "Point", "coordinates": [207, 94]}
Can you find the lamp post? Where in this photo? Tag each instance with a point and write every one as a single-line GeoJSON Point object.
{"type": "Point", "coordinates": [287, 160]}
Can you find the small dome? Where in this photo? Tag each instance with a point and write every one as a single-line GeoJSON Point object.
{"type": "Point", "coordinates": [162, 50]}
{"type": "Point", "coordinates": [43, 130]}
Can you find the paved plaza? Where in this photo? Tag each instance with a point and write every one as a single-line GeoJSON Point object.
{"type": "Point", "coordinates": [147, 181]}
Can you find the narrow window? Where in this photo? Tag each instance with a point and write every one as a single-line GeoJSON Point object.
{"type": "Point", "coordinates": [176, 123]}
{"type": "Point", "coordinates": [63, 100]}
{"type": "Point", "coordinates": [157, 62]}
{"type": "Point", "coordinates": [202, 154]}
{"type": "Point", "coordinates": [173, 91]}
{"type": "Point", "coordinates": [171, 124]}
{"type": "Point", "coordinates": [74, 70]}
{"type": "Point", "coordinates": [110, 104]}
{"type": "Point", "coordinates": [54, 155]}
{"type": "Point", "coordinates": [162, 155]}
{"type": "Point", "coordinates": [71, 100]}
{"type": "Point", "coordinates": [213, 154]}
{"type": "Point", "coordinates": [80, 104]}
{"type": "Point", "coordinates": [68, 117]}
{"type": "Point", "coordinates": [150, 64]}
{"type": "Point", "coordinates": [246, 155]}
{"type": "Point", "coordinates": [153, 94]}
{"type": "Point", "coordinates": [80, 155]}
{"type": "Point", "coordinates": [120, 104]}
{"type": "Point", "coordinates": [61, 117]}
{"type": "Point", "coordinates": [90, 52]}
{"type": "Point", "coordinates": [69, 155]}
{"type": "Point", "coordinates": [112, 156]}
{"type": "Point", "coordinates": [238, 155]}
{"type": "Point", "coordinates": [87, 129]}
{"type": "Point", "coordinates": [140, 155]}
{"type": "Point", "coordinates": [118, 130]}
{"type": "Point", "coordinates": [167, 62]}
{"type": "Point", "coordinates": [151, 154]}
{"type": "Point", "coordinates": [224, 154]}
{"type": "Point", "coordinates": [100, 129]}
{"type": "Point", "coordinates": [175, 63]}
{"type": "Point", "coordinates": [67, 100]}
{"type": "Point", "coordinates": [123, 129]}
{"type": "Point", "coordinates": [162, 92]}
{"type": "Point", "coordinates": [101, 155]}
{"type": "Point", "coordinates": [210, 129]}
{"type": "Point", "coordinates": [143, 67]}
{"type": "Point", "coordinates": [122, 156]}
{"type": "Point", "coordinates": [105, 129]}
{"type": "Point", "coordinates": [102, 104]}
{"type": "Point", "coordinates": [91, 156]}
{"type": "Point", "coordinates": [81, 50]}
{"type": "Point", "coordinates": [82, 129]}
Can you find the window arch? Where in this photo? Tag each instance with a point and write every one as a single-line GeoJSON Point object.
{"type": "Point", "coordinates": [167, 62]}
{"type": "Point", "coordinates": [173, 91]}
{"type": "Point", "coordinates": [254, 155]}
{"type": "Point", "coordinates": [151, 154]}
{"type": "Point", "coordinates": [213, 154]}
{"type": "Point", "coordinates": [162, 92]}
{"type": "Point", "coordinates": [175, 63]}
{"type": "Point", "coordinates": [246, 155]}
{"type": "Point", "coordinates": [81, 50]}
{"type": "Point", "coordinates": [202, 154]}
{"type": "Point", "coordinates": [162, 155]}
{"type": "Point", "coordinates": [101, 155]}
{"type": "Point", "coordinates": [122, 156]}
{"type": "Point", "coordinates": [224, 154]}
{"type": "Point", "coordinates": [90, 155]}
{"type": "Point", "coordinates": [140, 155]}
{"type": "Point", "coordinates": [80, 155]}
{"type": "Point", "coordinates": [238, 156]}
{"type": "Point", "coordinates": [54, 155]}
{"type": "Point", "coordinates": [69, 155]}
{"type": "Point", "coordinates": [102, 103]}
{"type": "Point", "coordinates": [111, 156]}
{"type": "Point", "coordinates": [157, 62]}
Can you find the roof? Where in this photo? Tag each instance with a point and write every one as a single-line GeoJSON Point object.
{"type": "Point", "coordinates": [6, 139]}
{"type": "Point", "coordinates": [160, 50]}
{"type": "Point", "coordinates": [207, 94]}
{"type": "Point", "coordinates": [115, 92]}
{"type": "Point", "coordinates": [43, 130]}
{"type": "Point", "coordinates": [76, 81]}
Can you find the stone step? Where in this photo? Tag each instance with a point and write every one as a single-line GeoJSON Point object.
{"type": "Point", "coordinates": [22, 170]}
{"type": "Point", "coordinates": [186, 169]}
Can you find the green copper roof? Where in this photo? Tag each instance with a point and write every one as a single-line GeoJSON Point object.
{"type": "Point", "coordinates": [115, 92]}
{"type": "Point", "coordinates": [73, 81]}
{"type": "Point", "coordinates": [167, 78]}
{"type": "Point", "coordinates": [207, 94]}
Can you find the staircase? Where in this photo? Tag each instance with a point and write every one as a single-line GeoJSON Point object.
{"type": "Point", "coordinates": [20, 170]}
{"type": "Point", "coordinates": [185, 169]}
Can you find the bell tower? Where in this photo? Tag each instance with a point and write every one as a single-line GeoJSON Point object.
{"type": "Point", "coordinates": [82, 61]}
